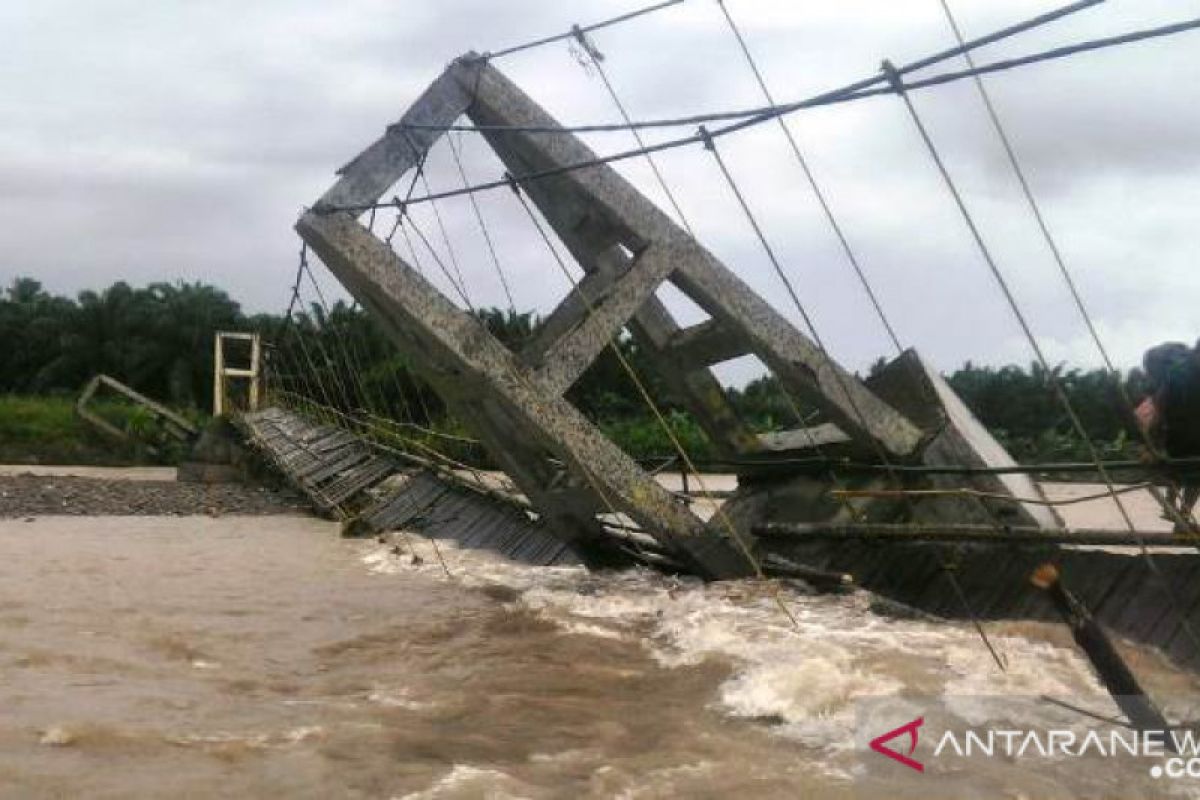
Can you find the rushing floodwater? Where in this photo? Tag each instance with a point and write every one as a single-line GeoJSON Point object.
{"type": "Point", "coordinates": [265, 657]}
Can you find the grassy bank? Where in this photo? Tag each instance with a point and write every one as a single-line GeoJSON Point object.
{"type": "Point", "coordinates": [45, 430]}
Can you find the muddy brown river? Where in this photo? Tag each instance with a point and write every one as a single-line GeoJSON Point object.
{"type": "Point", "coordinates": [265, 657]}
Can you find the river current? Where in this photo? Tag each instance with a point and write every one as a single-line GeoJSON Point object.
{"type": "Point", "coordinates": [265, 657]}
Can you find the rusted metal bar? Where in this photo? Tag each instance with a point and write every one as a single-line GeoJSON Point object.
{"type": "Point", "coordinates": [957, 533]}
{"type": "Point", "coordinates": [819, 464]}
{"type": "Point", "coordinates": [1114, 673]}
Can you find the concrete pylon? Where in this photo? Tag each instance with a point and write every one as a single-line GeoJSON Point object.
{"type": "Point", "coordinates": [576, 478]}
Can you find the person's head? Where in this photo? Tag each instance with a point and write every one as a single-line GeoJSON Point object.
{"type": "Point", "coordinates": [1161, 359]}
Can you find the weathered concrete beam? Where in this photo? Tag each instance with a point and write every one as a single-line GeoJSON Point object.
{"type": "Point", "coordinates": [424, 323]}
{"type": "Point", "coordinates": [698, 390]}
{"type": "Point", "coordinates": [957, 438]}
{"type": "Point", "coordinates": [803, 438]}
{"type": "Point", "coordinates": [708, 342]}
{"type": "Point", "coordinates": [518, 447]}
{"type": "Point", "coordinates": [591, 289]}
{"type": "Point", "coordinates": [604, 254]}
{"type": "Point", "coordinates": [571, 355]}
{"type": "Point", "coordinates": [365, 179]}
{"type": "Point", "coordinates": [597, 250]}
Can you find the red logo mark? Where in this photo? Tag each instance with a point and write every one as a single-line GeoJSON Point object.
{"type": "Point", "coordinates": [879, 744]}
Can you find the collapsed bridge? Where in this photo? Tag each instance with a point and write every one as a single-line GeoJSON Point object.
{"type": "Point", "coordinates": [576, 494]}
{"type": "Point", "coordinates": [513, 401]}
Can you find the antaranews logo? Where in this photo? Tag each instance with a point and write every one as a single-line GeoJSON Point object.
{"type": "Point", "coordinates": [953, 743]}
{"type": "Point", "coordinates": [879, 744]}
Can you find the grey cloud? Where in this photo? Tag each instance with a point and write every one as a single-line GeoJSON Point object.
{"type": "Point", "coordinates": [179, 140]}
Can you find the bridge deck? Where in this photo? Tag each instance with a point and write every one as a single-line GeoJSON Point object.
{"type": "Point", "coordinates": [343, 476]}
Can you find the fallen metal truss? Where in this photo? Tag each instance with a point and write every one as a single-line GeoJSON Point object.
{"type": "Point", "coordinates": [172, 424]}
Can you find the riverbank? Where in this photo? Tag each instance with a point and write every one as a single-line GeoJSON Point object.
{"type": "Point", "coordinates": [34, 493]}
{"type": "Point", "coordinates": [45, 430]}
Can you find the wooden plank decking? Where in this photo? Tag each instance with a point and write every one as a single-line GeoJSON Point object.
{"type": "Point", "coordinates": [342, 476]}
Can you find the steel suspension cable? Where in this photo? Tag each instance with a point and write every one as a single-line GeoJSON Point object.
{"type": "Point", "coordinates": [393, 373]}
{"type": "Point", "coordinates": [398, 224]}
{"type": "Point", "coordinates": [441, 225]}
{"type": "Point", "coordinates": [331, 397]}
{"type": "Point", "coordinates": [312, 367]}
{"type": "Point", "coordinates": [339, 511]}
{"type": "Point", "coordinates": [320, 345]}
{"type": "Point", "coordinates": [384, 408]}
{"type": "Point", "coordinates": [309, 395]}
{"type": "Point", "coordinates": [1052, 245]}
{"type": "Point", "coordinates": [880, 451]}
{"type": "Point", "coordinates": [412, 250]}
{"type": "Point", "coordinates": [287, 315]}
{"type": "Point", "coordinates": [595, 26]}
{"type": "Point", "coordinates": [856, 91]}
{"type": "Point", "coordinates": [416, 263]}
{"type": "Point", "coordinates": [811, 178]}
{"type": "Point", "coordinates": [711, 146]}
{"type": "Point", "coordinates": [846, 93]}
{"type": "Point", "coordinates": [294, 381]}
{"type": "Point", "coordinates": [843, 240]}
{"type": "Point", "coordinates": [1002, 283]}
{"type": "Point", "coordinates": [1052, 378]}
{"type": "Point", "coordinates": [644, 393]}
{"type": "Point", "coordinates": [462, 292]}
{"type": "Point", "coordinates": [483, 228]}
{"type": "Point", "coordinates": [349, 354]}
{"type": "Point", "coordinates": [286, 322]}
{"type": "Point", "coordinates": [595, 58]}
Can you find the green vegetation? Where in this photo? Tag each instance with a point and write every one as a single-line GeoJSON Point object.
{"type": "Point", "coordinates": [644, 437]}
{"type": "Point", "coordinates": [158, 339]}
{"type": "Point", "coordinates": [45, 430]}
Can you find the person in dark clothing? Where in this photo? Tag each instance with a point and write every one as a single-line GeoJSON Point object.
{"type": "Point", "coordinates": [1173, 421]}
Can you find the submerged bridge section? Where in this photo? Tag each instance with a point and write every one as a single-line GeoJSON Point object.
{"type": "Point", "coordinates": [343, 476]}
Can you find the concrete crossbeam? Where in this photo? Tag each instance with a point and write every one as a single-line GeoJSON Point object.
{"type": "Point", "coordinates": [571, 355]}
{"type": "Point", "coordinates": [803, 438]}
{"type": "Point", "coordinates": [591, 290]}
{"type": "Point", "coordinates": [708, 342]}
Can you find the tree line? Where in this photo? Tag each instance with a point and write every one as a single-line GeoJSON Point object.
{"type": "Point", "coordinates": [159, 340]}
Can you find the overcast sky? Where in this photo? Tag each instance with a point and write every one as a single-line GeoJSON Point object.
{"type": "Point", "coordinates": [179, 140]}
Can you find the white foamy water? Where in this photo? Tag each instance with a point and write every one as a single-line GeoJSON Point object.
{"type": "Point", "coordinates": [806, 677]}
{"type": "Point", "coordinates": [805, 681]}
